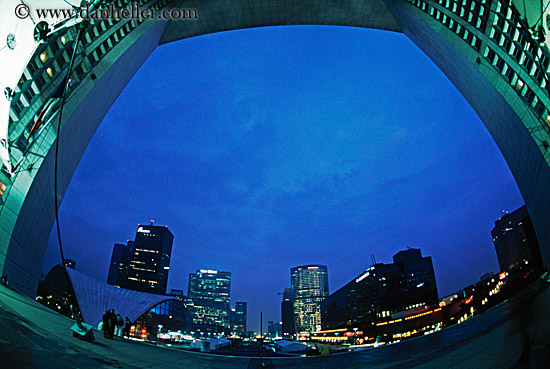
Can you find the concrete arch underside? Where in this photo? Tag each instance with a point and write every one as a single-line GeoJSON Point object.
{"type": "Point", "coordinates": [27, 214]}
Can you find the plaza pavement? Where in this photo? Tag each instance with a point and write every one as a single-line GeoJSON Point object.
{"type": "Point", "coordinates": [32, 336]}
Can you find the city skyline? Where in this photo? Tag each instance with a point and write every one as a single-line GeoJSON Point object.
{"type": "Point", "coordinates": [283, 156]}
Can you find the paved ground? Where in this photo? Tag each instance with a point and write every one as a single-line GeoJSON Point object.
{"type": "Point", "coordinates": [516, 334]}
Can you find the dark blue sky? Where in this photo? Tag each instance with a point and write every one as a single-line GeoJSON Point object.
{"type": "Point", "coordinates": [269, 148]}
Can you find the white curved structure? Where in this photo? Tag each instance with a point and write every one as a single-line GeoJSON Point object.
{"type": "Point", "coordinates": [94, 297]}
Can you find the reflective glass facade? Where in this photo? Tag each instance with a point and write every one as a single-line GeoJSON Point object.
{"type": "Point", "coordinates": [309, 287]}
{"type": "Point", "coordinates": [210, 290]}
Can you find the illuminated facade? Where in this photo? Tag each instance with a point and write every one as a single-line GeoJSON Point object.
{"type": "Point", "coordinates": [150, 260]}
{"type": "Point", "coordinates": [381, 291]}
{"type": "Point", "coordinates": [210, 292]}
{"type": "Point", "coordinates": [309, 285]}
{"type": "Point", "coordinates": [515, 242]}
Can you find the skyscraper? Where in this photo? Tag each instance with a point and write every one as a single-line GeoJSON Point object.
{"type": "Point", "coordinates": [150, 259]}
{"type": "Point", "coordinates": [418, 275]}
{"type": "Point", "coordinates": [287, 314]}
{"type": "Point", "coordinates": [309, 287]}
{"type": "Point", "coordinates": [120, 263]}
{"type": "Point", "coordinates": [210, 292]}
{"type": "Point", "coordinates": [516, 243]}
{"type": "Point", "coordinates": [237, 318]}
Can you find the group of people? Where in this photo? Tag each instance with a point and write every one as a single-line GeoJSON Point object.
{"type": "Point", "coordinates": [114, 325]}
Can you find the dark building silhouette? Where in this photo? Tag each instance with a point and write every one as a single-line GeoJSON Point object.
{"type": "Point", "coordinates": [309, 287]}
{"type": "Point", "coordinates": [274, 329]}
{"type": "Point", "coordinates": [237, 318]}
{"type": "Point", "coordinates": [120, 263]}
{"type": "Point", "coordinates": [187, 302]}
{"type": "Point", "coordinates": [210, 292]}
{"type": "Point", "coordinates": [516, 243]}
{"type": "Point", "coordinates": [70, 263]}
{"type": "Point", "coordinates": [177, 294]}
{"type": "Point", "coordinates": [287, 314]}
{"type": "Point", "coordinates": [150, 259]}
{"type": "Point", "coordinates": [382, 290]}
{"type": "Point", "coordinates": [241, 312]}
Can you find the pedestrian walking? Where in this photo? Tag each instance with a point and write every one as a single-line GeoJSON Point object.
{"type": "Point", "coordinates": [127, 327]}
{"type": "Point", "coordinates": [106, 324]}
{"type": "Point", "coordinates": [119, 325]}
{"type": "Point", "coordinates": [112, 323]}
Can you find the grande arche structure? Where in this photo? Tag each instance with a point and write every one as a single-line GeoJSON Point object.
{"type": "Point", "coordinates": [493, 51]}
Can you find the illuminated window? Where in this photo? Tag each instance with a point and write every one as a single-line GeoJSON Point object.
{"type": "Point", "coordinates": [44, 56]}
{"type": "Point", "coordinates": [50, 72]}
{"type": "Point", "coordinates": [519, 85]}
{"type": "Point", "coordinates": [2, 189]}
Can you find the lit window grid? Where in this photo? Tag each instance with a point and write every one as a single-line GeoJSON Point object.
{"type": "Point", "coordinates": [47, 69]}
{"type": "Point", "coordinates": [511, 51]}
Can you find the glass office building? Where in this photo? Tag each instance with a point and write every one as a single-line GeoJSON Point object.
{"type": "Point", "coordinates": [150, 260]}
{"type": "Point", "coordinates": [309, 285]}
{"type": "Point", "coordinates": [210, 292]}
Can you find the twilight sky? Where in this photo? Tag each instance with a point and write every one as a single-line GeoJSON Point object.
{"type": "Point", "coordinates": [269, 148]}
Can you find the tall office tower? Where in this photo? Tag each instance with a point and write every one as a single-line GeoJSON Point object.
{"type": "Point", "coordinates": [309, 288]}
{"type": "Point", "coordinates": [419, 284]}
{"type": "Point", "coordinates": [240, 312]}
{"type": "Point", "coordinates": [516, 243]}
{"type": "Point", "coordinates": [287, 314]}
{"type": "Point", "coordinates": [120, 263]}
{"type": "Point", "coordinates": [210, 290]}
{"type": "Point", "coordinates": [237, 318]}
{"type": "Point", "coordinates": [150, 260]}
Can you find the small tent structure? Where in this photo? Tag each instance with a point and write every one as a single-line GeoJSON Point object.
{"type": "Point", "coordinates": [289, 346]}
{"type": "Point", "coordinates": [211, 345]}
